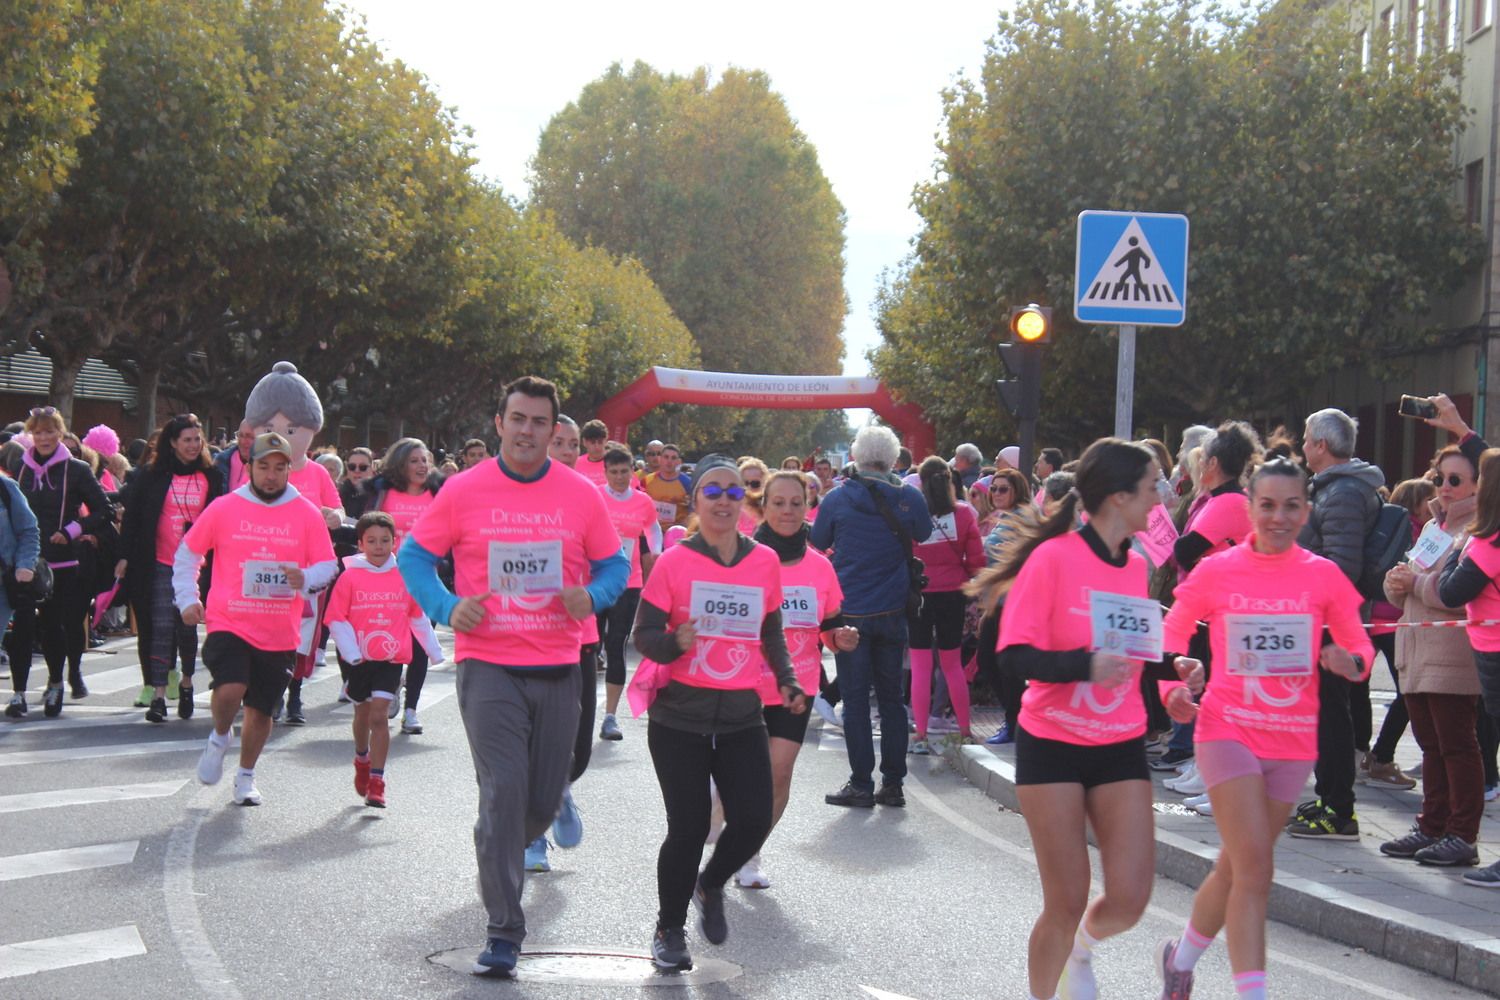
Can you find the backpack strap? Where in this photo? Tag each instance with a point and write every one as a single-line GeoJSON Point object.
{"type": "Point", "coordinates": [897, 528]}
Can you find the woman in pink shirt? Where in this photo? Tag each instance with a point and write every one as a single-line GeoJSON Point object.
{"type": "Point", "coordinates": [1267, 603]}
{"type": "Point", "coordinates": [1080, 758]}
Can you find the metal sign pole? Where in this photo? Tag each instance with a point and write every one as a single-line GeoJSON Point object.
{"type": "Point", "coordinates": [1125, 384]}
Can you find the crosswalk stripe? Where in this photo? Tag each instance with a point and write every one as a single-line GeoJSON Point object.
{"type": "Point", "coordinates": [35, 725]}
{"type": "Point", "coordinates": [45, 954]}
{"type": "Point", "coordinates": [104, 682]}
{"type": "Point", "coordinates": [87, 753]}
{"type": "Point", "coordinates": [70, 859]}
{"type": "Point", "coordinates": [59, 797]}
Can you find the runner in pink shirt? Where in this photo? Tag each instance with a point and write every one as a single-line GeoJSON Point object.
{"type": "Point", "coordinates": [374, 620]}
{"type": "Point", "coordinates": [1079, 751]}
{"type": "Point", "coordinates": [595, 439]}
{"type": "Point", "coordinates": [1267, 603]}
{"type": "Point", "coordinates": [271, 551]}
{"type": "Point", "coordinates": [634, 517]}
{"type": "Point", "coordinates": [524, 531]}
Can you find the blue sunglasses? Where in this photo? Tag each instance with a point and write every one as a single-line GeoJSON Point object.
{"type": "Point", "coordinates": [713, 491]}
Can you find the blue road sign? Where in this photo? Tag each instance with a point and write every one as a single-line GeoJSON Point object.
{"type": "Point", "coordinates": [1131, 268]}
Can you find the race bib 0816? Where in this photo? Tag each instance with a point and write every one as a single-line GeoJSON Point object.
{"type": "Point", "coordinates": [799, 607]}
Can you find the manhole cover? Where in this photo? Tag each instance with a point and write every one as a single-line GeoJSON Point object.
{"type": "Point", "coordinates": [591, 966]}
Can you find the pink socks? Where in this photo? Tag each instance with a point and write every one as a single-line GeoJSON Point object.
{"type": "Point", "coordinates": [1190, 948]}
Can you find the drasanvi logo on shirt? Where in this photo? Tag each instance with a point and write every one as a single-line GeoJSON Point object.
{"type": "Point", "coordinates": [1086, 694]}
{"type": "Point", "coordinates": [379, 646]}
{"type": "Point", "coordinates": [796, 643]}
{"type": "Point", "coordinates": [738, 656]}
{"type": "Point", "coordinates": [1275, 692]}
{"type": "Point", "coordinates": [528, 518]}
{"type": "Point", "coordinates": [1268, 605]}
{"type": "Point", "coordinates": [264, 528]}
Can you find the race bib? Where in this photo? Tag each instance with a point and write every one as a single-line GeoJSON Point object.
{"type": "Point", "coordinates": [1432, 544]}
{"type": "Point", "coordinates": [526, 568]}
{"type": "Point", "coordinates": [1125, 626]}
{"type": "Point", "coordinates": [266, 581]}
{"type": "Point", "coordinates": [799, 607]}
{"type": "Point", "coordinates": [727, 610]}
{"type": "Point", "coordinates": [1269, 645]}
{"type": "Point", "coordinates": [945, 527]}
{"type": "Point", "coordinates": [665, 511]}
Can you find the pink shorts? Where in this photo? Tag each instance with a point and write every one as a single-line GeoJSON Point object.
{"type": "Point", "coordinates": [1224, 760]}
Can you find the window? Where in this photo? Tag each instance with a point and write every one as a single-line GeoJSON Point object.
{"type": "Point", "coordinates": [1444, 25]}
{"type": "Point", "coordinates": [1474, 193]}
{"type": "Point", "coordinates": [1362, 47]}
{"type": "Point", "coordinates": [1481, 18]}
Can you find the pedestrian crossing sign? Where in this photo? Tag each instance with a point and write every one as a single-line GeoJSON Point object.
{"type": "Point", "coordinates": [1131, 268]}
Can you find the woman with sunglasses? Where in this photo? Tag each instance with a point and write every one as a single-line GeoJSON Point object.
{"type": "Point", "coordinates": [163, 501]}
{"type": "Point", "coordinates": [753, 473]}
{"type": "Point", "coordinates": [358, 468]}
{"type": "Point", "coordinates": [710, 618]}
{"type": "Point", "coordinates": [57, 487]}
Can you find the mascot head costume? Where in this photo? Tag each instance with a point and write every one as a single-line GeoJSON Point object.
{"type": "Point", "coordinates": [286, 403]}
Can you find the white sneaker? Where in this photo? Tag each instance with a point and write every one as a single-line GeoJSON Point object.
{"type": "Point", "coordinates": [409, 723]}
{"type": "Point", "coordinates": [751, 877]}
{"type": "Point", "coordinates": [393, 707]}
{"type": "Point", "coordinates": [1194, 801]}
{"type": "Point", "coordinates": [1188, 784]}
{"type": "Point", "coordinates": [245, 792]}
{"type": "Point", "coordinates": [1187, 772]}
{"type": "Point", "coordinates": [828, 713]}
{"type": "Point", "coordinates": [211, 764]}
{"type": "Point", "coordinates": [1491, 792]}
{"type": "Point", "coordinates": [941, 724]}
{"type": "Point", "coordinates": [1204, 808]}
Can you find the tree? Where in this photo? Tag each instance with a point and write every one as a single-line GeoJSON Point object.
{"type": "Point", "coordinates": [1319, 194]}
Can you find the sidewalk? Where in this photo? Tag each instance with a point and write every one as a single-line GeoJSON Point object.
{"type": "Point", "coordinates": [1426, 918]}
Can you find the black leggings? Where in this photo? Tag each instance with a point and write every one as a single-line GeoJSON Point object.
{"type": "Point", "coordinates": [588, 697]}
{"type": "Point", "coordinates": [1396, 717]}
{"type": "Point", "coordinates": [416, 673]}
{"type": "Point", "coordinates": [941, 618]}
{"type": "Point", "coordinates": [740, 764]}
{"type": "Point", "coordinates": [1007, 686]}
{"type": "Point", "coordinates": [58, 624]}
{"type": "Point", "coordinates": [614, 630]}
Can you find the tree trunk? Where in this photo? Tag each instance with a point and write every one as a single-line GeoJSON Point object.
{"type": "Point", "coordinates": [64, 382]}
{"type": "Point", "coordinates": [148, 379]}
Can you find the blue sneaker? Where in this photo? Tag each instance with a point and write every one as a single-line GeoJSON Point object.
{"type": "Point", "coordinates": [567, 828]}
{"type": "Point", "coordinates": [536, 856]}
{"type": "Point", "coordinates": [1002, 736]}
{"type": "Point", "coordinates": [497, 959]}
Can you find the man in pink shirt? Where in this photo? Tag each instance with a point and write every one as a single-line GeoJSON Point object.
{"type": "Point", "coordinates": [272, 551]}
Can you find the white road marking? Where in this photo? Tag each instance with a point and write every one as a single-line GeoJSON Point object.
{"type": "Point", "coordinates": [916, 790]}
{"type": "Point", "coordinates": [45, 954]}
{"type": "Point", "coordinates": [88, 796]}
{"type": "Point", "coordinates": [882, 994]}
{"type": "Point", "coordinates": [71, 859]}
{"type": "Point", "coordinates": [104, 682]}
{"type": "Point", "coordinates": [182, 904]}
{"type": "Point", "coordinates": [88, 753]}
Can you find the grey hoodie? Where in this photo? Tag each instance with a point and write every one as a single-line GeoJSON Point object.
{"type": "Point", "coordinates": [1344, 508]}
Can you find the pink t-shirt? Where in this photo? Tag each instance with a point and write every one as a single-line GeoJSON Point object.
{"type": "Point", "coordinates": [736, 600]}
{"type": "Point", "coordinates": [632, 518]}
{"type": "Point", "coordinates": [810, 593]}
{"type": "Point", "coordinates": [404, 509]}
{"type": "Point", "coordinates": [1048, 609]}
{"type": "Point", "coordinates": [954, 551]}
{"type": "Point", "coordinates": [539, 537]}
{"type": "Point", "coordinates": [1223, 521]}
{"type": "Point", "coordinates": [249, 540]}
{"type": "Point", "coordinates": [186, 498]}
{"type": "Point", "coordinates": [748, 524]}
{"type": "Point", "coordinates": [317, 486]}
{"type": "Point", "coordinates": [1275, 716]}
{"type": "Point", "coordinates": [377, 606]}
{"type": "Point", "coordinates": [1485, 607]}
{"type": "Point", "coordinates": [591, 470]}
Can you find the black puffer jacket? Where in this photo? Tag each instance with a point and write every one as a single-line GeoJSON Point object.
{"type": "Point", "coordinates": [55, 488]}
{"type": "Point", "coordinates": [143, 500]}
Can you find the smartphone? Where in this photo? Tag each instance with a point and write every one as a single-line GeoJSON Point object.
{"type": "Point", "coordinates": [1417, 408]}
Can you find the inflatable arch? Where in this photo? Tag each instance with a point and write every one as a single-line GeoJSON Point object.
{"type": "Point", "coordinates": [772, 392]}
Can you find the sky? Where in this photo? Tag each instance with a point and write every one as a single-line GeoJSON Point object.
{"type": "Point", "coordinates": [863, 81]}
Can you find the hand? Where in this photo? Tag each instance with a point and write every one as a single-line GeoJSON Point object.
{"type": "Point", "coordinates": [1338, 660]}
{"type": "Point", "coordinates": [577, 602]}
{"type": "Point", "coordinates": [294, 575]}
{"type": "Point", "coordinates": [58, 538]}
{"type": "Point", "coordinates": [1180, 706]}
{"type": "Point", "coordinates": [193, 615]}
{"type": "Point", "coordinates": [1191, 673]}
{"type": "Point", "coordinates": [120, 568]}
{"type": "Point", "coordinates": [333, 518]}
{"type": "Point", "coordinates": [1109, 670]}
{"type": "Point", "coordinates": [24, 575]}
{"type": "Point", "coordinates": [846, 639]}
{"type": "Point", "coordinates": [793, 698]}
{"type": "Point", "coordinates": [90, 539]}
{"type": "Point", "coordinates": [686, 634]}
{"type": "Point", "coordinates": [1447, 418]}
{"type": "Point", "coordinates": [468, 614]}
{"type": "Point", "coordinates": [1399, 580]}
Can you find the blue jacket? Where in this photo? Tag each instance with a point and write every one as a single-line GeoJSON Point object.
{"type": "Point", "coordinates": [20, 541]}
{"type": "Point", "coordinates": [868, 558]}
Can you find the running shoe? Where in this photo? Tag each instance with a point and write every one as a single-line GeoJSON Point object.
{"type": "Point", "coordinates": [567, 828]}
{"type": "Point", "coordinates": [851, 796]}
{"type": "Point", "coordinates": [890, 795]}
{"type": "Point", "coordinates": [1491, 793]}
{"type": "Point", "coordinates": [279, 709]}
{"type": "Point", "coordinates": [1002, 736]}
{"type": "Point", "coordinates": [1326, 825]}
{"type": "Point", "coordinates": [941, 724]}
{"type": "Point", "coordinates": [52, 702]}
{"type": "Point", "coordinates": [827, 712]}
{"type": "Point", "coordinates": [80, 689]}
{"type": "Point", "coordinates": [919, 747]}
{"type": "Point", "coordinates": [1388, 775]}
{"type": "Point", "coordinates": [1199, 804]}
{"type": "Point", "coordinates": [376, 795]}
{"type": "Point", "coordinates": [410, 725]}
{"type": "Point", "coordinates": [1077, 980]}
{"type": "Point", "coordinates": [1189, 783]}
{"type": "Point", "coordinates": [498, 958]}
{"type": "Point", "coordinates": [1171, 760]}
{"type": "Point", "coordinates": [536, 856]}
{"type": "Point", "coordinates": [669, 950]}
{"type": "Point", "coordinates": [294, 715]}
{"type": "Point", "coordinates": [1485, 878]}
{"type": "Point", "coordinates": [609, 729]}
{"type": "Point", "coordinates": [1452, 851]}
{"type": "Point", "coordinates": [245, 792]}
{"type": "Point", "coordinates": [1407, 846]}
{"type": "Point", "coordinates": [361, 776]}
{"type": "Point", "coordinates": [185, 701]}
{"type": "Point", "coordinates": [143, 700]}
{"type": "Point", "coordinates": [17, 707]}
{"type": "Point", "coordinates": [344, 698]}
{"type": "Point", "coordinates": [393, 707]}
{"type": "Point", "coordinates": [1304, 811]}
{"type": "Point", "coordinates": [158, 710]}
{"type": "Point", "coordinates": [174, 678]}
{"type": "Point", "coordinates": [751, 876]}
{"type": "Point", "coordinates": [710, 904]}
{"type": "Point", "coordinates": [1175, 984]}
{"type": "Point", "coordinates": [211, 764]}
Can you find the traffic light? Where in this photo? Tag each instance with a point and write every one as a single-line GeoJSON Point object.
{"type": "Point", "coordinates": [1016, 358]}
{"type": "Point", "coordinates": [1031, 324]}
{"type": "Point", "coordinates": [1021, 391]}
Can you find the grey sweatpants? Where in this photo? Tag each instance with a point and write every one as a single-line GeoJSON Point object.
{"type": "Point", "coordinates": [520, 730]}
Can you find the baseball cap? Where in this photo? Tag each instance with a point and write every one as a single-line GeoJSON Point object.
{"type": "Point", "coordinates": [270, 443]}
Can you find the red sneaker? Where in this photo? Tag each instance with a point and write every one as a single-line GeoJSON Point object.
{"type": "Point", "coordinates": [376, 795]}
{"type": "Point", "coordinates": [361, 776]}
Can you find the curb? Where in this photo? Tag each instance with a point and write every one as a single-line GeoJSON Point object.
{"type": "Point", "coordinates": [1469, 958]}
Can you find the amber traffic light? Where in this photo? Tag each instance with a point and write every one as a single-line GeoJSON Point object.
{"type": "Point", "coordinates": [1031, 324]}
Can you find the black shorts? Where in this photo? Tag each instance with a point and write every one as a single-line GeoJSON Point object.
{"type": "Point", "coordinates": [782, 724]}
{"type": "Point", "coordinates": [941, 618]}
{"type": "Point", "coordinates": [1049, 762]}
{"type": "Point", "coordinates": [265, 673]}
{"type": "Point", "coordinates": [373, 678]}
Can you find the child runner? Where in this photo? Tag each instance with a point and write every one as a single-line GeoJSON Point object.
{"type": "Point", "coordinates": [373, 620]}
